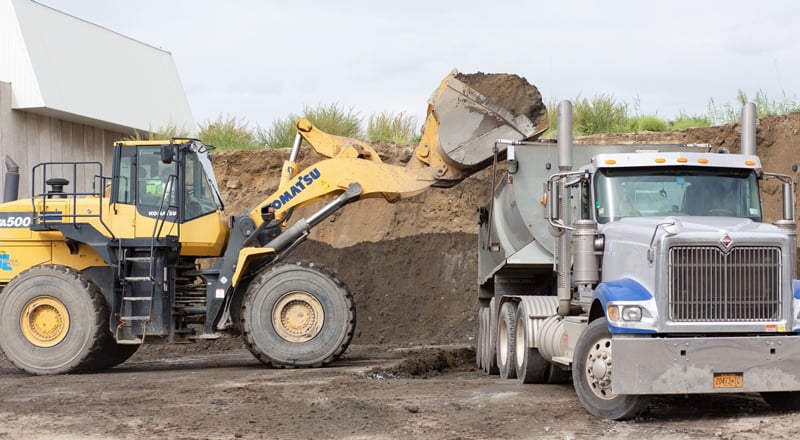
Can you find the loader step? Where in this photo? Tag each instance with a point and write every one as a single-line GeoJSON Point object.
{"type": "Point", "coordinates": [134, 318]}
{"type": "Point", "coordinates": [137, 279]}
{"type": "Point", "coordinates": [139, 259]}
{"type": "Point", "coordinates": [137, 298]}
{"type": "Point", "coordinates": [136, 341]}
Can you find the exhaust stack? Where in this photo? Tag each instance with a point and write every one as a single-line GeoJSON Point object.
{"type": "Point", "coordinates": [11, 184]}
{"type": "Point", "coordinates": [749, 115]}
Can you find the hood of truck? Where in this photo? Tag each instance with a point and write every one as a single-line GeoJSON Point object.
{"type": "Point", "coordinates": [628, 242]}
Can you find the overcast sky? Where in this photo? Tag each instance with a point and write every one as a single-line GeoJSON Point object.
{"type": "Point", "coordinates": [261, 60]}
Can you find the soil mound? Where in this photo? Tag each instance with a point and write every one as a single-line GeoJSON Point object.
{"type": "Point", "coordinates": [512, 92]}
{"type": "Point", "coordinates": [418, 290]}
{"type": "Point", "coordinates": [428, 363]}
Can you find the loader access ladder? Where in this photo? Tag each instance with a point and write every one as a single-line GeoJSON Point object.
{"type": "Point", "coordinates": [141, 284]}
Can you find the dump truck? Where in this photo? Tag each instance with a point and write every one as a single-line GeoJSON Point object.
{"type": "Point", "coordinates": [93, 266]}
{"type": "Point", "coordinates": [639, 270]}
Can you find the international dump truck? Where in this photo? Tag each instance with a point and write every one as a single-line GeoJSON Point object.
{"type": "Point", "coordinates": [93, 266]}
{"type": "Point", "coordinates": [639, 270]}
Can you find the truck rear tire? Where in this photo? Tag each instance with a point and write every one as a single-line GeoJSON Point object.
{"type": "Point", "coordinates": [479, 348]}
{"type": "Point", "coordinates": [783, 400]}
{"type": "Point", "coordinates": [485, 337]}
{"type": "Point", "coordinates": [506, 341]}
{"type": "Point", "coordinates": [297, 315]}
{"type": "Point", "coordinates": [52, 321]}
{"type": "Point", "coordinates": [531, 366]}
{"type": "Point", "coordinates": [591, 376]}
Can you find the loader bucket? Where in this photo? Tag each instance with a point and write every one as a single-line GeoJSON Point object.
{"type": "Point", "coordinates": [473, 111]}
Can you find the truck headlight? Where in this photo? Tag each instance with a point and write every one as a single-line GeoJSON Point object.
{"type": "Point", "coordinates": [624, 313]}
{"type": "Point", "coordinates": [632, 313]}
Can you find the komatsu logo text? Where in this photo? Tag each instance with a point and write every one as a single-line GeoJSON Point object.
{"type": "Point", "coordinates": [302, 183]}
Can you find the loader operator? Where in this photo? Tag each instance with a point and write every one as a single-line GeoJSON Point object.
{"type": "Point", "coordinates": [158, 186]}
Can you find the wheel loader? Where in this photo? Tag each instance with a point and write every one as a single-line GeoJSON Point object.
{"type": "Point", "coordinates": [92, 266]}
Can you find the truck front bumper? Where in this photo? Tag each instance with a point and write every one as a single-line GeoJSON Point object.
{"type": "Point", "coordinates": [705, 365]}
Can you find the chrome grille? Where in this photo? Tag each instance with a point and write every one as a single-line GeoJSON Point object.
{"type": "Point", "coordinates": [707, 284]}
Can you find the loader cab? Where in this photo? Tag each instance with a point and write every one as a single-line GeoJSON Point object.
{"type": "Point", "coordinates": [168, 187]}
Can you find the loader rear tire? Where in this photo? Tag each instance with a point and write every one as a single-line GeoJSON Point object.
{"type": "Point", "coordinates": [52, 321]}
{"type": "Point", "coordinates": [506, 341]}
{"type": "Point", "coordinates": [297, 315]}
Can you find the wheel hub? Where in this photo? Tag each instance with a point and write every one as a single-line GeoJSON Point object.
{"type": "Point", "coordinates": [298, 316]}
{"type": "Point", "coordinates": [598, 369]}
{"type": "Point", "coordinates": [44, 321]}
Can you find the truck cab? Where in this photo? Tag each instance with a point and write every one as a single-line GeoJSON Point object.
{"type": "Point", "coordinates": [642, 270]}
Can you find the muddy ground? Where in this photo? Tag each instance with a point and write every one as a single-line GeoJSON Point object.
{"type": "Point", "coordinates": [370, 394]}
{"type": "Point", "coordinates": [412, 268]}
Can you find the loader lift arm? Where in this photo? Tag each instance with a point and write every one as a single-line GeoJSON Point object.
{"type": "Point", "coordinates": [459, 139]}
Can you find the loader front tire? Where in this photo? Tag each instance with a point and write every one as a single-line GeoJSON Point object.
{"type": "Point", "coordinates": [297, 315]}
{"type": "Point", "coordinates": [52, 321]}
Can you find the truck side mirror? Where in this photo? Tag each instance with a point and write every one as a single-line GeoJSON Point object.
{"type": "Point", "coordinates": [167, 154]}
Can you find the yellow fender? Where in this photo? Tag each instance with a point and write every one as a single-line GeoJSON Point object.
{"type": "Point", "coordinates": [247, 256]}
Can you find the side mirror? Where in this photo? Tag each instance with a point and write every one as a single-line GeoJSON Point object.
{"type": "Point", "coordinates": [167, 154]}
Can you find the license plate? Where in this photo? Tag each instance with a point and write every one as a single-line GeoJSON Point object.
{"type": "Point", "coordinates": [728, 380]}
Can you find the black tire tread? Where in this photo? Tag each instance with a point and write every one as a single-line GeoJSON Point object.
{"type": "Point", "coordinates": [94, 355]}
{"type": "Point", "coordinates": [264, 277]}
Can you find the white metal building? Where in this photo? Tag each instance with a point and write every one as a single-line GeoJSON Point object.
{"type": "Point", "coordinates": [70, 88]}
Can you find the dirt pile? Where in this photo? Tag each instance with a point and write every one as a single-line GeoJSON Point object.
{"type": "Point", "coordinates": [428, 363]}
{"type": "Point", "coordinates": [512, 92]}
{"type": "Point", "coordinates": [412, 265]}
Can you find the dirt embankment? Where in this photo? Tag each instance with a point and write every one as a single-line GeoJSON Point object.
{"type": "Point", "coordinates": [412, 265]}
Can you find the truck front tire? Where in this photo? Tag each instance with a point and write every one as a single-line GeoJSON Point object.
{"type": "Point", "coordinates": [591, 376]}
{"type": "Point", "coordinates": [297, 315]}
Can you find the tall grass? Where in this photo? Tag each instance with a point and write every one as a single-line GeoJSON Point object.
{"type": "Point", "coordinates": [684, 121]}
{"type": "Point", "coordinates": [724, 113]}
{"type": "Point", "coordinates": [228, 133]}
{"type": "Point", "coordinates": [280, 135]}
{"type": "Point", "coordinates": [162, 133]}
{"type": "Point", "coordinates": [332, 119]}
{"type": "Point", "coordinates": [397, 128]}
{"type": "Point", "coordinates": [601, 114]}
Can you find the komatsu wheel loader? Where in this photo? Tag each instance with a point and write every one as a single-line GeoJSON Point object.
{"type": "Point", "coordinates": [639, 270]}
{"type": "Point", "coordinates": [91, 267]}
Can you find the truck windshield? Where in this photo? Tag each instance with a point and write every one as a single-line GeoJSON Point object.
{"type": "Point", "coordinates": [664, 191]}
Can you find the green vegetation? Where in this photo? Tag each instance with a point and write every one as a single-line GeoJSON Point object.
{"type": "Point", "coordinates": [601, 114]}
{"type": "Point", "coordinates": [604, 114]}
{"type": "Point", "coordinates": [684, 121]}
{"type": "Point", "coordinates": [228, 134]}
{"type": "Point", "coordinates": [166, 132]}
{"type": "Point", "coordinates": [397, 128]}
{"type": "Point", "coordinates": [647, 123]}
{"type": "Point", "coordinates": [724, 113]}
{"type": "Point", "coordinates": [331, 119]}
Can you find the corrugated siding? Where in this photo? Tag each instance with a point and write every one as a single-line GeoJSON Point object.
{"type": "Point", "coordinates": [30, 139]}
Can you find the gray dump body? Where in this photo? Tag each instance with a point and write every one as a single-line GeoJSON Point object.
{"type": "Point", "coordinates": [518, 232]}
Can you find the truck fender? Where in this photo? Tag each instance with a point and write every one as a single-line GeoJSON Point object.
{"type": "Point", "coordinates": [624, 289]}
